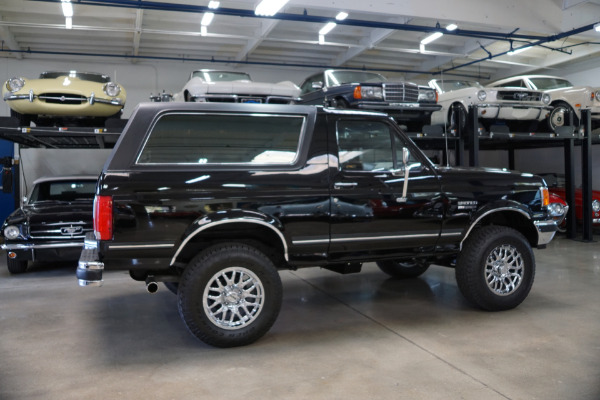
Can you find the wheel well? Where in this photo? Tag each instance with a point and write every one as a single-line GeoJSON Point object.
{"type": "Point", "coordinates": [512, 219]}
{"type": "Point", "coordinates": [264, 239]}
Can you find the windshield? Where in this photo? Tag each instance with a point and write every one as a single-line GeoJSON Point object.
{"type": "Point", "coordinates": [448, 85]}
{"type": "Point", "coordinates": [84, 76]}
{"type": "Point", "coordinates": [221, 76]}
{"type": "Point", "coordinates": [340, 77]}
{"type": "Point", "coordinates": [63, 191]}
{"type": "Point", "coordinates": [550, 83]}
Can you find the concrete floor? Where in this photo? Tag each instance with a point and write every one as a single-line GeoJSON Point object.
{"type": "Point", "coordinates": [360, 336]}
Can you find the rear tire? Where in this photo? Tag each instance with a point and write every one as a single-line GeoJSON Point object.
{"type": "Point", "coordinates": [496, 268]}
{"type": "Point", "coordinates": [229, 295]}
{"type": "Point", "coordinates": [16, 266]}
{"type": "Point", "coordinates": [403, 269]}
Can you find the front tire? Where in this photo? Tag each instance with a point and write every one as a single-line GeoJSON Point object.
{"type": "Point", "coordinates": [229, 295]}
{"type": "Point", "coordinates": [16, 266]}
{"type": "Point", "coordinates": [403, 269]}
{"type": "Point", "coordinates": [496, 268]}
{"type": "Point", "coordinates": [559, 116]}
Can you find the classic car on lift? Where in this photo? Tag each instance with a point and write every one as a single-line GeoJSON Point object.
{"type": "Point", "coordinates": [64, 97]}
{"type": "Point", "coordinates": [566, 97]}
{"type": "Point", "coordinates": [52, 222]}
{"type": "Point", "coordinates": [518, 108]}
{"type": "Point", "coordinates": [556, 186]}
{"type": "Point", "coordinates": [207, 85]}
{"type": "Point", "coordinates": [408, 103]}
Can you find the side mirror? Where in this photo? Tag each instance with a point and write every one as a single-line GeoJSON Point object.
{"type": "Point", "coordinates": [405, 156]}
{"type": "Point", "coordinates": [317, 85]}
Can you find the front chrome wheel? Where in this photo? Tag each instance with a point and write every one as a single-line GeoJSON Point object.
{"type": "Point", "coordinates": [233, 298]}
{"type": "Point", "coordinates": [504, 270]}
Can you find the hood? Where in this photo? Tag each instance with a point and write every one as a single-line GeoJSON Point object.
{"type": "Point", "coordinates": [63, 212]}
{"type": "Point", "coordinates": [285, 88]}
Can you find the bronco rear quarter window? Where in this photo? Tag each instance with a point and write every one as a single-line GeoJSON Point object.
{"type": "Point", "coordinates": [194, 138]}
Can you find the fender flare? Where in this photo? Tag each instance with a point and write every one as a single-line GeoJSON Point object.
{"type": "Point", "coordinates": [234, 216]}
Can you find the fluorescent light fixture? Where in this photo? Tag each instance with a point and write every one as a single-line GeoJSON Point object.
{"type": "Point", "coordinates": [522, 49]}
{"type": "Point", "coordinates": [203, 30]}
{"type": "Point", "coordinates": [207, 18]}
{"type": "Point", "coordinates": [327, 28]}
{"type": "Point", "coordinates": [451, 27]}
{"type": "Point", "coordinates": [341, 16]}
{"type": "Point", "coordinates": [67, 8]}
{"type": "Point", "coordinates": [597, 27]}
{"type": "Point", "coordinates": [213, 5]}
{"type": "Point", "coordinates": [268, 8]}
{"type": "Point", "coordinates": [321, 39]}
{"type": "Point", "coordinates": [422, 48]}
{"type": "Point", "coordinates": [432, 37]}
{"type": "Point", "coordinates": [69, 23]}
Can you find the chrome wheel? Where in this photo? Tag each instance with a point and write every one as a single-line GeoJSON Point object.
{"type": "Point", "coordinates": [233, 298]}
{"type": "Point", "coordinates": [504, 270]}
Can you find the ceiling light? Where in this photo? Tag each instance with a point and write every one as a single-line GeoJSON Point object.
{"type": "Point", "coordinates": [422, 48]}
{"type": "Point", "coordinates": [432, 37]}
{"type": "Point", "coordinates": [327, 28]}
{"type": "Point", "coordinates": [268, 8]}
{"type": "Point", "coordinates": [203, 30]}
{"type": "Point", "coordinates": [597, 27]}
{"type": "Point", "coordinates": [67, 8]}
{"type": "Point", "coordinates": [207, 18]}
{"type": "Point", "coordinates": [321, 39]}
{"type": "Point", "coordinates": [451, 27]}
{"type": "Point", "coordinates": [517, 51]}
{"type": "Point", "coordinates": [341, 16]}
{"type": "Point", "coordinates": [69, 23]}
{"type": "Point", "coordinates": [213, 5]}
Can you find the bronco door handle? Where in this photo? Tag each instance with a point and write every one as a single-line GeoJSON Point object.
{"type": "Point", "coordinates": [343, 185]}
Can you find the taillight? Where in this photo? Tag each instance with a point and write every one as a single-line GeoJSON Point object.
{"type": "Point", "coordinates": [357, 92]}
{"type": "Point", "coordinates": [103, 217]}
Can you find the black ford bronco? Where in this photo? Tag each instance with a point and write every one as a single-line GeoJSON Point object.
{"type": "Point", "coordinates": [214, 199]}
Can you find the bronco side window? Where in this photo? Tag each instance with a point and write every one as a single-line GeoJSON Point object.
{"type": "Point", "coordinates": [192, 138]}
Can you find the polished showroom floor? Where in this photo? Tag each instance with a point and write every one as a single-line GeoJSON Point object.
{"type": "Point", "coordinates": [361, 336]}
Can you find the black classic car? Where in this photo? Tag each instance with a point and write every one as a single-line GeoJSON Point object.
{"type": "Point", "coordinates": [215, 199]}
{"type": "Point", "coordinates": [410, 104]}
{"type": "Point", "coordinates": [52, 223]}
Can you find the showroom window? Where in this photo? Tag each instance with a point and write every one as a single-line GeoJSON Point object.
{"type": "Point", "coordinates": [223, 139]}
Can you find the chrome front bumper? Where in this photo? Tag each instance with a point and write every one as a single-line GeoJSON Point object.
{"type": "Point", "coordinates": [546, 231]}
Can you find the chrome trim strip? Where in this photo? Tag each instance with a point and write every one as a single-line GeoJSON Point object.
{"type": "Point", "coordinates": [488, 213]}
{"type": "Point", "coordinates": [40, 246]}
{"type": "Point", "coordinates": [317, 241]}
{"type": "Point", "coordinates": [230, 221]}
{"type": "Point", "coordinates": [140, 246]}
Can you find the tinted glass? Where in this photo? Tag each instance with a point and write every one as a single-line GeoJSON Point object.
{"type": "Point", "coordinates": [447, 86]}
{"type": "Point", "coordinates": [221, 76]}
{"type": "Point", "coordinates": [339, 77]}
{"type": "Point", "coordinates": [550, 83]}
{"type": "Point", "coordinates": [223, 139]}
{"type": "Point", "coordinates": [63, 191]}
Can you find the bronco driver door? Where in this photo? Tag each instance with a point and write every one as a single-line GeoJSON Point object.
{"type": "Point", "coordinates": [385, 195]}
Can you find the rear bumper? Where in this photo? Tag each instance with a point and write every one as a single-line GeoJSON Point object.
{"type": "Point", "coordinates": [90, 268]}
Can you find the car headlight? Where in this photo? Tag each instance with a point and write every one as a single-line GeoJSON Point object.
{"type": "Point", "coordinates": [597, 95]}
{"type": "Point", "coordinates": [426, 95]}
{"type": "Point", "coordinates": [371, 92]}
{"type": "Point", "coordinates": [481, 95]}
{"type": "Point", "coordinates": [15, 84]}
{"type": "Point", "coordinates": [556, 209]}
{"type": "Point", "coordinates": [596, 205]}
{"type": "Point", "coordinates": [12, 232]}
{"type": "Point", "coordinates": [112, 89]}
{"type": "Point", "coordinates": [546, 98]}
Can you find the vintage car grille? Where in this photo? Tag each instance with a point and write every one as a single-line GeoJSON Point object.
{"type": "Point", "coordinates": [518, 95]}
{"type": "Point", "coordinates": [60, 230]}
{"type": "Point", "coordinates": [61, 98]}
{"type": "Point", "coordinates": [248, 99]}
{"type": "Point", "coordinates": [401, 92]}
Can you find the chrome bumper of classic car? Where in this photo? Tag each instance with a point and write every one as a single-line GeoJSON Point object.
{"type": "Point", "coordinates": [520, 106]}
{"type": "Point", "coordinates": [373, 105]}
{"type": "Point", "coordinates": [49, 251]}
{"type": "Point", "coordinates": [61, 99]}
{"type": "Point", "coordinates": [89, 268]}
{"type": "Point", "coordinates": [546, 231]}
{"type": "Point", "coordinates": [34, 246]}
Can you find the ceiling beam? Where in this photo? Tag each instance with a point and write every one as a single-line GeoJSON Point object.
{"type": "Point", "coordinates": [265, 29]}
{"type": "Point", "coordinates": [9, 40]}
{"type": "Point", "coordinates": [137, 34]}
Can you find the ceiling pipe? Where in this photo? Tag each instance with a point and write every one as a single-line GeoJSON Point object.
{"type": "Point", "coordinates": [161, 6]}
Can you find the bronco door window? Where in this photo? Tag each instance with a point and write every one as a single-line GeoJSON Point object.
{"type": "Point", "coordinates": [191, 138]}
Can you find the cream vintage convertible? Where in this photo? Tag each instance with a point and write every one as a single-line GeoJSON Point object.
{"type": "Point", "coordinates": [64, 97]}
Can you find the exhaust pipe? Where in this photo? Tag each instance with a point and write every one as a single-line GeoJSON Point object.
{"type": "Point", "coordinates": [151, 285]}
